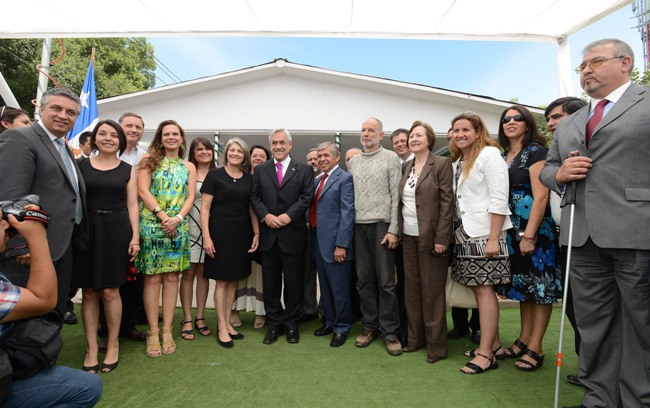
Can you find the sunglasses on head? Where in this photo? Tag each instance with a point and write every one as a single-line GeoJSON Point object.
{"type": "Point", "coordinates": [517, 118]}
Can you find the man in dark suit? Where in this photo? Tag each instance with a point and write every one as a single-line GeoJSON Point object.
{"type": "Point", "coordinates": [600, 157]}
{"type": "Point", "coordinates": [36, 160]}
{"type": "Point", "coordinates": [282, 193]}
{"type": "Point", "coordinates": [331, 219]}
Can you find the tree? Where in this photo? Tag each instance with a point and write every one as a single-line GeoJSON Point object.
{"type": "Point", "coordinates": [122, 65]}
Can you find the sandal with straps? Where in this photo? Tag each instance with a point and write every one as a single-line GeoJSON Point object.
{"type": "Point", "coordinates": [168, 344]}
{"type": "Point", "coordinates": [472, 353]}
{"type": "Point", "coordinates": [203, 331]}
{"type": "Point", "coordinates": [510, 353]}
{"type": "Point", "coordinates": [187, 334]}
{"type": "Point", "coordinates": [527, 365]}
{"type": "Point", "coordinates": [476, 369]}
{"type": "Point", "coordinates": [153, 344]}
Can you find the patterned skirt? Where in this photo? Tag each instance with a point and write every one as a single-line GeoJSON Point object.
{"type": "Point", "coordinates": [472, 268]}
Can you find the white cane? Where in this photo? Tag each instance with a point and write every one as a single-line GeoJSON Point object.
{"type": "Point", "coordinates": [572, 202]}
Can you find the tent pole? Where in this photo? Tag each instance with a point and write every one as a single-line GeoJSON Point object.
{"type": "Point", "coordinates": [564, 73]}
{"type": "Point", "coordinates": [42, 78]}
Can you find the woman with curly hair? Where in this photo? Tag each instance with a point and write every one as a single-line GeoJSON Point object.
{"type": "Point", "coordinates": [533, 242]}
{"type": "Point", "coordinates": [480, 222]}
{"type": "Point", "coordinates": [166, 184]}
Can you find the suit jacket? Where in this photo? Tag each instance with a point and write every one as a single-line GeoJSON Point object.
{"type": "Point", "coordinates": [434, 202]}
{"type": "Point", "coordinates": [484, 192]}
{"type": "Point", "coordinates": [613, 201]}
{"type": "Point", "coordinates": [31, 164]}
{"type": "Point", "coordinates": [293, 197]}
{"type": "Point", "coordinates": [335, 215]}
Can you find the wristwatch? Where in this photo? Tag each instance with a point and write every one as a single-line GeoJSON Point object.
{"type": "Point", "coordinates": [156, 210]}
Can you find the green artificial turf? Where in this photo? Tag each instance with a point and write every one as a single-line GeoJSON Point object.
{"type": "Point", "coordinates": [312, 374]}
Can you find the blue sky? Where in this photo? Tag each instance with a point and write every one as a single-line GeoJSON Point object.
{"type": "Point", "coordinates": [503, 70]}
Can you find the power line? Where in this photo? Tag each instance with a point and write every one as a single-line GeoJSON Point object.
{"type": "Point", "coordinates": [166, 70]}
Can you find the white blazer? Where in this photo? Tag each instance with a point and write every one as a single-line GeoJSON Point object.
{"type": "Point", "coordinates": [484, 192]}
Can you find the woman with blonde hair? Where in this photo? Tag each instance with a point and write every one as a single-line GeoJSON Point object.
{"type": "Point", "coordinates": [480, 221]}
{"type": "Point", "coordinates": [166, 184]}
{"type": "Point", "coordinates": [230, 232]}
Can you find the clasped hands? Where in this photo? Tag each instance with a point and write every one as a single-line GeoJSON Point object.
{"type": "Point", "coordinates": [169, 225]}
{"type": "Point", "coordinates": [276, 222]}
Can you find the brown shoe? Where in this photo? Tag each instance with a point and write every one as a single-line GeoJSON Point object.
{"type": "Point", "coordinates": [365, 338]}
{"type": "Point", "coordinates": [393, 346]}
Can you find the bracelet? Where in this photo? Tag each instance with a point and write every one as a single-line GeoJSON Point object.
{"type": "Point", "coordinates": [134, 244]}
{"type": "Point", "coordinates": [180, 216]}
{"type": "Point", "coordinates": [529, 240]}
{"type": "Point", "coordinates": [156, 210]}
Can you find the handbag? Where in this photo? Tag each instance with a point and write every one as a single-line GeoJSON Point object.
{"type": "Point", "coordinates": [458, 295]}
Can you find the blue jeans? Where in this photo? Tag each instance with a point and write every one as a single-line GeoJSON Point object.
{"type": "Point", "coordinates": [58, 387]}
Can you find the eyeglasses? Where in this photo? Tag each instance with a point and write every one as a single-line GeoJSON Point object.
{"type": "Point", "coordinates": [594, 63]}
{"type": "Point", "coordinates": [517, 118]}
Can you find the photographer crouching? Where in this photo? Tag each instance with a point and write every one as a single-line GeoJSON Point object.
{"type": "Point", "coordinates": [28, 376]}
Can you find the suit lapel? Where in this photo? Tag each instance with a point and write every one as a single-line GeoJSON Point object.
{"type": "Point", "coordinates": [270, 171]}
{"type": "Point", "coordinates": [426, 170]}
{"type": "Point", "coordinates": [405, 170]}
{"type": "Point", "coordinates": [54, 151]}
{"type": "Point", "coordinates": [291, 170]}
{"type": "Point", "coordinates": [330, 181]}
{"type": "Point", "coordinates": [631, 96]}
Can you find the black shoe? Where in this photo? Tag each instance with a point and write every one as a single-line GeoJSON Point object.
{"type": "Point", "coordinates": [306, 317]}
{"type": "Point", "coordinates": [272, 335]}
{"type": "Point", "coordinates": [69, 318]}
{"type": "Point", "coordinates": [293, 336]}
{"type": "Point", "coordinates": [133, 334]}
{"type": "Point", "coordinates": [476, 337]}
{"type": "Point", "coordinates": [338, 339]}
{"type": "Point", "coordinates": [237, 336]}
{"type": "Point", "coordinates": [107, 368]}
{"type": "Point", "coordinates": [323, 331]}
{"type": "Point", "coordinates": [225, 344]}
{"type": "Point", "coordinates": [103, 344]}
{"type": "Point", "coordinates": [573, 379]}
{"type": "Point", "coordinates": [456, 334]}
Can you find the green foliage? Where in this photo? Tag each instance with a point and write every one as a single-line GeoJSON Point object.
{"type": "Point", "coordinates": [122, 65]}
{"type": "Point", "coordinates": [638, 78]}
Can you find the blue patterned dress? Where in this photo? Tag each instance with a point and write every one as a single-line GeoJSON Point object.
{"type": "Point", "coordinates": [159, 254]}
{"type": "Point", "coordinates": [534, 278]}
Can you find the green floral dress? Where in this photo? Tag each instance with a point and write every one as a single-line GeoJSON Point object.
{"type": "Point", "coordinates": [159, 254]}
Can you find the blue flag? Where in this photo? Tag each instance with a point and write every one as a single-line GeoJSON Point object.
{"type": "Point", "coordinates": [88, 117]}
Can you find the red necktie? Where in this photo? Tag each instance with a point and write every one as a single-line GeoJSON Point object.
{"type": "Point", "coordinates": [594, 120]}
{"type": "Point", "coordinates": [278, 165]}
{"type": "Point", "coordinates": [314, 204]}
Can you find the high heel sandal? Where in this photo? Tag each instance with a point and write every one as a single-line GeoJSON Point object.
{"type": "Point", "coordinates": [90, 369]}
{"type": "Point", "coordinates": [476, 369]}
{"type": "Point", "coordinates": [187, 334]}
{"type": "Point", "coordinates": [153, 344]}
{"type": "Point", "coordinates": [472, 353]}
{"type": "Point", "coordinates": [203, 331]}
{"type": "Point", "coordinates": [510, 353]}
{"type": "Point", "coordinates": [168, 344]}
{"type": "Point", "coordinates": [528, 366]}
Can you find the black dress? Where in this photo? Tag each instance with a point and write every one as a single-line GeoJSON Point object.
{"type": "Point", "coordinates": [107, 262]}
{"type": "Point", "coordinates": [230, 225]}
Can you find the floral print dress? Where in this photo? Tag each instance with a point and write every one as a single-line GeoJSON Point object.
{"type": "Point", "coordinates": [534, 278]}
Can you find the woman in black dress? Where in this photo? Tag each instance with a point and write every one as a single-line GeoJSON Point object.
{"type": "Point", "coordinates": [112, 215]}
{"type": "Point", "coordinates": [230, 232]}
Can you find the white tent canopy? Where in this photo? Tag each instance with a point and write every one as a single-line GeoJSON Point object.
{"type": "Point", "coordinates": [502, 20]}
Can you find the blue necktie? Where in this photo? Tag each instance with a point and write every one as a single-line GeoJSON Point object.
{"type": "Point", "coordinates": [67, 161]}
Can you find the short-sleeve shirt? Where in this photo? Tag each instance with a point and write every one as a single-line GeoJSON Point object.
{"type": "Point", "coordinates": [9, 295]}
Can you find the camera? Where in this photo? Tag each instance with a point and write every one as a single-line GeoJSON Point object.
{"type": "Point", "coordinates": [18, 210]}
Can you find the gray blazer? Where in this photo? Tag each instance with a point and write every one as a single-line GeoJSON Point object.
{"type": "Point", "coordinates": [31, 164]}
{"type": "Point", "coordinates": [613, 201]}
